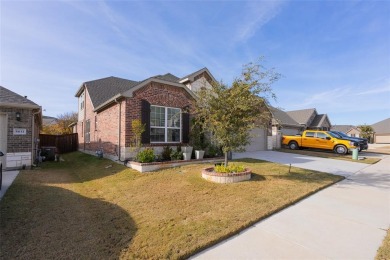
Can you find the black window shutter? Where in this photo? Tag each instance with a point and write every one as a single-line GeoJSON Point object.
{"type": "Point", "coordinates": [186, 127]}
{"type": "Point", "coordinates": [145, 119]}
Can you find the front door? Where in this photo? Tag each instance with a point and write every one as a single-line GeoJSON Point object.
{"type": "Point", "coordinates": [3, 137]}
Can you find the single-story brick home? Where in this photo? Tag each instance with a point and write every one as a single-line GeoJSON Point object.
{"type": "Point", "coordinates": [350, 130]}
{"type": "Point", "coordinates": [20, 122]}
{"type": "Point", "coordinates": [382, 131]}
{"type": "Point", "coordinates": [107, 107]}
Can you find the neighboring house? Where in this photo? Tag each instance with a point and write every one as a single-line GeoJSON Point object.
{"type": "Point", "coordinates": [281, 121]}
{"type": "Point", "coordinates": [163, 103]}
{"type": "Point", "coordinates": [20, 121]}
{"type": "Point", "coordinates": [48, 120]}
{"type": "Point", "coordinates": [382, 131]}
{"type": "Point", "coordinates": [310, 119]}
{"type": "Point", "coordinates": [350, 130]}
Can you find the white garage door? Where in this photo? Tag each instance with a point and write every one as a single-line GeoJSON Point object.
{"type": "Point", "coordinates": [3, 137]}
{"type": "Point", "coordinates": [382, 139]}
{"type": "Point", "coordinates": [258, 141]}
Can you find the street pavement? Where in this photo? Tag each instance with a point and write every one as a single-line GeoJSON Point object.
{"type": "Point", "coordinates": [345, 221]}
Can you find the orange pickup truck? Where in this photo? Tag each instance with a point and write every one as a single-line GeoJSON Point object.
{"type": "Point", "coordinates": [319, 140]}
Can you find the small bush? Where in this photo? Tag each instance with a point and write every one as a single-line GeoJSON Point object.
{"type": "Point", "coordinates": [177, 155]}
{"type": "Point", "coordinates": [232, 168]}
{"type": "Point", "coordinates": [166, 153]}
{"type": "Point", "coordinates": [146, 156]}
{"type": "Point", "coordinates": [213, 151]}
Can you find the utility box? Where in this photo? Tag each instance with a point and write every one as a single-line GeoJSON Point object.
{"type": "Point", "coordinates": [49, 152]}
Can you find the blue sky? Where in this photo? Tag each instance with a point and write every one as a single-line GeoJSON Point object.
{"type": "Point", "coordinates": [334, 55]}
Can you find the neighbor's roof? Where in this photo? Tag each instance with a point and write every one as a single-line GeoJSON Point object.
{"type": "Point", "coordinates": [382, 127]}
{"type": "Point", "coordinates": [11, 99]}
{"type": "Point", "coordinates": [282, 117]}
{"type": "Point", "coordinates": [319, 120]}
{"type": "Point", "coordinates": [302, 116]}
{"type": "Point", "coordinates": [344, 128]}
{"type": "Point", "coordinates": [48, 120]}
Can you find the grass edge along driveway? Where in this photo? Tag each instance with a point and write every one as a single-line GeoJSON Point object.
{"type": "Point", "coordinates": [94, 208]}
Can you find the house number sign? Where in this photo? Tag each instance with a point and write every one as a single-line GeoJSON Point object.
{"type": "Point", "coordinates": [20, 131]}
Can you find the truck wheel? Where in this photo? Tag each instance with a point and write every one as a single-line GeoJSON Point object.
{"type": "Point", "coordinates": [293, 145]}
{"type": "Point", "coordinates": [340, 149]}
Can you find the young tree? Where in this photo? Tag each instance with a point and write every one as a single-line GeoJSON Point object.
{"type": "Point", "coordinates": [62, 125]}
{"type": "Point", "coordinates": [230, 112]}
{"type": "Point", "coordinates": [367, 131]}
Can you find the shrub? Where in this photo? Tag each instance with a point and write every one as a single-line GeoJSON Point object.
{"type": "Point", "coordinates": [177, 155]}
{"type": "Point", "coordinates": [166, 153]}
{"type": "Point", "coordinates": [213, 151]}
{"type": "Point", "coordinates": [231, 168]}
{"type": "Point", "coordinates": [146, 156]}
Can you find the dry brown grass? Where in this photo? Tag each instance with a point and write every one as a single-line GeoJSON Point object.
{"type": "Point", "coordinates": [81, 209]}
{"type": "Point", "coordinates": [330, 155]}
{"type": "Point", "coordinates": [384, 250]}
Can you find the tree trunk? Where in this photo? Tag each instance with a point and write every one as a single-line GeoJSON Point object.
{"type": "Point", "coordinates": [226, 159]}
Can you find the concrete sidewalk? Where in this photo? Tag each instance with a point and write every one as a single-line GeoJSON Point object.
{"type": "Point", "coordinates": [345, 221]}
{"type": "Point", "coordinates": [8, 178]}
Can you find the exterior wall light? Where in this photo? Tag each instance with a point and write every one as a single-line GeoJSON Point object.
{"type": "Point", "coordinates": [18, 116]}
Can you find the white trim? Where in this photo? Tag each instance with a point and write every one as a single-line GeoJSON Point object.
{"type": "Point", "coordinates": [166, 127]}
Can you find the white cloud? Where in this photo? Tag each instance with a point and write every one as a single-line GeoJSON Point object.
{"type": "Point", "coordinates": [256, 15]}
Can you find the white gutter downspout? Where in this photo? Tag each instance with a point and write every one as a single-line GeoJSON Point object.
{"type": "Point", "coordinates": [119, 129]}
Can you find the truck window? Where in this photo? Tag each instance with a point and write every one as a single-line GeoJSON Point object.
{"type": "Point", "coordinates": [321, 135]}
{"type": "Point", "coordinates": [309, 134]}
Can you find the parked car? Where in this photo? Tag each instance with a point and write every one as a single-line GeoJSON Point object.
{"type": "Point", "coordinates": [1, 171]}
{"type": "Point", "coordinates": [320, 140]}
{"type": "Point", "coordinates": [363, 142]}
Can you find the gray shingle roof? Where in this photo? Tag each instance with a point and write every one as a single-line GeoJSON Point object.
{"type": "Point", "coordinates": [282, 117]}
{"type": "Point", "coordinates": [318, 120]}
{"type": "Point", "coordinates": [343, 128]}
{"type": "Point", "coordinates": [168, 77]}
{"type": "Point", "coordinates": [302, 116]}
{"type": "Point", "coordinates": [101, 90]}
{"type": "Point", "coordinates": [193, 74]}
{"type": "Point", "coordinates": [382, 127]}
{"type": "Point", "coordinates": [8, 97]}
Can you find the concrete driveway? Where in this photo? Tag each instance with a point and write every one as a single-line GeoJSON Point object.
{"type": "Point", "coordinates": [345, 221]}
{"type": "Point", "coordinates": [8, 178]}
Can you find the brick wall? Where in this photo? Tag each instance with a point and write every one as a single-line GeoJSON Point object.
{"type": "Point", "coordinates": [19, 143]}
{"type": "Point", "coordinates": [104, 134]}
{"type": "Point", "coordinates": [156, 94]}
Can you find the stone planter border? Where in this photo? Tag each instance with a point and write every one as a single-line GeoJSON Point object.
{"type": "Point", "coordinates": [210, 175]}
{"type": "Point", "coordinates": [154, 166]}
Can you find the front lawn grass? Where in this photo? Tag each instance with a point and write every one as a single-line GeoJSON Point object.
{"type": "Point", "coordinates": [384, 251]}
{"type": "Point", "coordinates": [93, 208]}
{"type": "Point", "coordinates": [330, 155]}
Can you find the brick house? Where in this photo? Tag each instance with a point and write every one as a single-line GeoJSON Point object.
{"type": "Point", "coordinates": [20, 121]}
{"type": "Point", "coordinates": [107, 107]}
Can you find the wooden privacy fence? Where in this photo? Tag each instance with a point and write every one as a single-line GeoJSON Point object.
{"type": "Point", "coordinates": [64, 143]}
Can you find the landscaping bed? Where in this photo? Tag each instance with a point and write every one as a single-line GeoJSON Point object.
{"type": "Point", "coordinates": [330, 155]}
{"type": "Point", "coordinates": [92, 208]}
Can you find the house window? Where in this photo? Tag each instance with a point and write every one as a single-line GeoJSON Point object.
{"type": "Point", "coordinates": [95, 123]}
{"type": "Point", "coordinates": [87, 131]}
{"type": "Point", "coordinates": [165, 124]}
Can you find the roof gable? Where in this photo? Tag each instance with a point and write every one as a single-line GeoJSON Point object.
{"type": "Point", "coordinates": [282, 117]}
{"type": "Point", "coordinates": [102, 90]}
{"type": "Point", "coordinates": [191, 77]}
{"type": "Point", "coordinates": [302, 116]}
{"type": "Point", "coordinates": [320, 120]}
{"type": "Point", "coordinates": [12, 99]}
{"type": "Point", "coordinates": [382, 127]}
